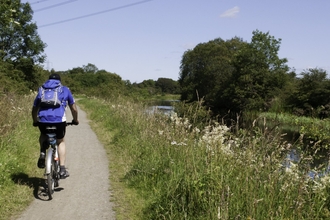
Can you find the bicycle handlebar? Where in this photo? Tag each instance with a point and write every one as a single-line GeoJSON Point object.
{"type": "Point", "coordinates": [67, 124]}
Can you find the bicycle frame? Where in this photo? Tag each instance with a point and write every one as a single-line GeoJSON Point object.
{"type": "Point", "coordinates": [51, 151]}
{"type": "Point", "coordinates": [52, 162]}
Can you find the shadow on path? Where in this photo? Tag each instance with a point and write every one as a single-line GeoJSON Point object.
{"type": "Point", "coordinates": [38, 184]}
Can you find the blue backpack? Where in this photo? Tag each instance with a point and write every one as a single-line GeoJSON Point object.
{"type": "Point", "coordinates": [50, 97]}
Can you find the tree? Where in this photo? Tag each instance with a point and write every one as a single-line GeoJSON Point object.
{"type": "Point", "coordinates": [90, 68]}
{"type": "Point", "coordinates": [205, 71]}
{"type": "Point", "coordinates": [259, 74]}
{"type": "Point", "coordinates": [234, 75]}
{"type": "Point", "coordinates": [311, 96]}
{"type": "Point", "coordinates": [76, 70]}
{"type": "Point", "coordinates": [146, 83]}
{"type": "Point", "coordinates": [11, 79]}
{"type": "Point", "coordinates": [18, 34]}
{"type": "Point", "coordinates": [20, 44]}
{"type": "Point", "coordinates": [167, 85]}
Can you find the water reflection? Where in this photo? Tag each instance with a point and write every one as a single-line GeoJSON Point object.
{"type": "Point", "coordinates": [319, 159]}
{"type": "Point", "coordinates": [161, 106]}
{"type": "Point", "coordinates": [163, 109]}
{"type": "Point", "coordinates": [291, 136]}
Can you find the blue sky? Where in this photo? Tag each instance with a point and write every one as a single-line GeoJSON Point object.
{"type": "Point", "coordinates": [145, 39]}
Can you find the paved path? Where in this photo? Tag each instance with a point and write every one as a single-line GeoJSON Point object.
{"type": "Point", "coordinates": [85, 194]}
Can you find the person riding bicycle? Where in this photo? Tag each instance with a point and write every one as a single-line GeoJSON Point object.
{"type": "Point", "coordinates": [54, 116]}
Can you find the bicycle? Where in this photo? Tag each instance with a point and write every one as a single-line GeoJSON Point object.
{"type": "Point", "coordinates": [52, 165]}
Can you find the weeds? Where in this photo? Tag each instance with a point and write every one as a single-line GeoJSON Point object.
{"type": "Point", "coordinates": [183, 172]}
{"type": "Point", "coordinates": [17, 154]}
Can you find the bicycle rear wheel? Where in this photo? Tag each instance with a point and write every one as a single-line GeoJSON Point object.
{"type": "Point", "coordinates": [56, 175]}
{"type": "Point", "coordinates": [51, 181]}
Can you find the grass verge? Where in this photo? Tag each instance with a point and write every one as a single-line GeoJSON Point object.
{"type": "Point", "coordinates": [128, 205]}
{"type": "Point", "coordinates": [164, 168]}
{"type": "Point", "coordinates": [19, 176]}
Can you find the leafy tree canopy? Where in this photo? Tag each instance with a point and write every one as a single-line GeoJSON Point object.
{"type": "Point", "coordinates": [206, 69]}
{"type": "Point", "coordinates": [167, 85]}
{"type": "Point", "coordinates": [258, 76]}
{"type": "Point", "coordinates": [90, 68]}
{"type": "Point", "coordinates": [311, 94]}
{"type": "Point", "coordinates": [233, 75]}
{"type": "Point", "coordinates": [18, 34]}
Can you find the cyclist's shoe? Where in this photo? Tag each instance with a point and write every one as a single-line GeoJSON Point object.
{"type": "Point", "coordinates": [64, 174]}
{"type": "Point", "coordinates": [56, 184]}
{"type": "Point", "coordinates": [41, 161]}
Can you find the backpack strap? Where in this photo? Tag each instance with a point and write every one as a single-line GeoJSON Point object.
{"type": "Point", "coordinates": [60, 90]}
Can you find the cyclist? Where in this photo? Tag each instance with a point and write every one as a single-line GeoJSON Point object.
{"type": "Point", "coordinates": [54, 116]}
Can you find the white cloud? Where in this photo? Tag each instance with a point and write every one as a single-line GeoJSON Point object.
{"type": "Point", "coordinates": [230, 13]}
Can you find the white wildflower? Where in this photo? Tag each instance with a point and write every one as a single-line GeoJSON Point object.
{"type": "Point", "coordinates": [196, 130]}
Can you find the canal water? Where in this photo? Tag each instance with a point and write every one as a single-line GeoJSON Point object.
{"type": "Point", "coordinates": [164, 107]}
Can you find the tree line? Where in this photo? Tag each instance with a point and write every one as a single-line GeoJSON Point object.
{"type": "Point", "coordinates": [230, 76]}
{"type": "Point", "coordinates": [88, 79]}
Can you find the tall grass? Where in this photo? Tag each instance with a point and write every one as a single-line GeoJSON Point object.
{"type": "Point", "coordinates": [177, 171]}
{"type": "Point", "coordinates": [315, 132]}
{"type": "Point", "coordinates": [18, 153]}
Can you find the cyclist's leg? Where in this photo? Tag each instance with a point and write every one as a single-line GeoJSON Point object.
{"type": "Point", "coordinates": [60, 133]}
{"type": "Point", "coordinates": [61, 151]}
{"type": "Point", "coordinates": [42, 140]}
{"type": "Point", "coordinates": [43, 137]}
{"type": "Point", "coordinates": [42, 156]}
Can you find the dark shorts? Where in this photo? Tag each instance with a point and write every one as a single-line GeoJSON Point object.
{"type": "Point", "coordinates": [60, 129]}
